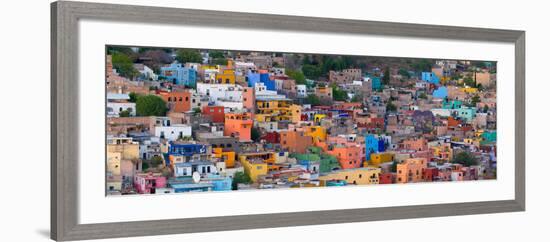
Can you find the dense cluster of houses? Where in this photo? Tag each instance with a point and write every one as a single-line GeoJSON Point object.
{"type": "Point", "coordinates": [246, 124]}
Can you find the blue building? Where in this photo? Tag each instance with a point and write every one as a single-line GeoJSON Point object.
{"type": "Point", "coordinates": [451, 104]}
{"type": "Point", "coordinates": [252, 78]}
{"type": "Point", "coordinates": [180, 75]}
{"type": "Point", "coordinates": [430, 77]}
{"type": "Point", "coordinates": [376, 83]}
{"type": "Point", "coordinates": [189, 151]}
{"type": "Point", "coordinates": [440, 92]}
{"type": "Point", "coordinates": [373, 145]}
{"type": "Point", "coordinates": [269, 84]}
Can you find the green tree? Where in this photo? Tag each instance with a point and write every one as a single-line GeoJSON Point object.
{"type": "Point", "coordinates": [404, 73]}
{"type": "Point", "coordinates": [465, 158]}
{"type": "Point", "coordinates": [124, 113]}
{"type": "Point", "coordinates": [313, 100]}
{"type": "Point", "coordinates": [390, 106]}
{"type": "Point", "coordinates": [338, 94]}
{"type": "Point", "coordinates": [156, 161]}
{"type": "Point", "coordinates": [298, 76]}
{"type": "Point", "coordinates": [485, 108]}
{"type": "Point", "coordinates": [240, 177]}
{"type": "Point", "coordinates": [150, 105]}
{"type": "Point", "coordinates": [475, 99]}
{"type": "Point", "coordinates": [124, 65]}
{"type": "Point", "coordinates": [423, 96]}
{"type": "Point", "coordinates": [197, 111]}
{"type": "Point", "coordinates": [216, 54]}
{"type": "Point", "coordinates": [386, 76]}
{"type": "Point", "coordinates": [422, 65]}
{"type": "Point", "coordinates": [219, 61]}
{"type": "Point", "coordinates": [393, 167]}
{"type": "Point", "coordinates": [311, 71]}
{"type": "Point", "coordinates": [133, 97]}
{"type": "Point", "coordinates": [255, 134]}
{"type": "Point", "coordinates": [119, 49]}
{"type": "Point", "coordinates": [187, 55]}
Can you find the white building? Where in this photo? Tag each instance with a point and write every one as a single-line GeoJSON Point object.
{"type": "Point", "coordinates": [173, 132]}
{"type": "Point", "coordinates": [214, 92]}
{"type": "Point", "coordinates": [114, 108]}
{"type": "Point", "coordinates": [301, 90]}
{"type": "Point", "coordinates": [146, 72]}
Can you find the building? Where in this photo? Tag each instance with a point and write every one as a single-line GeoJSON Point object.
{"type": "Point", "coordinates": [173, 132]}
{"type": "Point", "coordinates": [358, 176]}
{"type": "Point", "coordinates": [226, 76]}
{"type": "Point", "coordinates": [179, 75]}
{"type": "Point", "coordinates": [324, 93]}
{"type": "Point", "coordinates": [410, 170]}
{"type": "Point", "coordinates": [178, 101]}
{"type": "Point", "coordinates": [238, 125]}
{"type": "Point", "coordinates": [147, 183]}
{"type": "Point", "coordinates": [217, 113]}
{"type": "Point", "coordinates": [119, 103]}
{"type": "Point", "coordinates": [273, 108]}
{"type": "Point", "coordinates": [295, 141]}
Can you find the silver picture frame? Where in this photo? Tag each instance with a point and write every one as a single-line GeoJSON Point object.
{"type": "Point", "coordinates": [65, 16]}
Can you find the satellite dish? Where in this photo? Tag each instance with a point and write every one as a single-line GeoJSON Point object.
{"type": "Point", "coordinates": [196, 177]}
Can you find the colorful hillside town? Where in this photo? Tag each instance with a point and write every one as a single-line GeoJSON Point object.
{"type": "Point", "coordinates": [190, 120]}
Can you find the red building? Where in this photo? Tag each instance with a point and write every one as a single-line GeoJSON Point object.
{"type": "Point", "coordinates": [272, 137]}
{"type": "Point", "coordinates": [216, 112]}
{"type": "Point", "coordinates": [386, 178]}
{"type": "Point", "coordinates": [430, 174]}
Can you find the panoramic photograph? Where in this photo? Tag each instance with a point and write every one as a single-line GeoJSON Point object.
{"type": "Point", "coordinates": [201, 120]}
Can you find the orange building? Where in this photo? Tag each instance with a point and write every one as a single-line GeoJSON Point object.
{"type": "Point", "coordinates": [216, 112]}
{"type": "Point", "coordinates": [416, 144]}
{"type": "Point", "coordinates": [410, 170]}
{"type": "Point", "coordinates": [249, 99]}
{"type": "Point", "coordinates": [238, 125]}
{"type": "Point", "coordinates": [348, 156]}
{"type": "Point", "coordinates": [177, 101]}
{"type": "Point", "coordinates": [295, 141]}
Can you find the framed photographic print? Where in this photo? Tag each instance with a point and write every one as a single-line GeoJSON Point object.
{"type": "Point", "coordinates": [168, 120]}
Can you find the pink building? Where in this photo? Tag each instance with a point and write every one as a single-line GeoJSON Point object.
{"type": "Point", "coordinates": [147, 183]}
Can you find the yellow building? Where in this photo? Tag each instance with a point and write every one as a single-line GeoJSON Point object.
{"type": "Point", "coordinates": [378, 158]}
{"type": "Point", "coordinates": [318, 133]}
{"type": "Point", "coordinates": [227, 76]}
{"type": "Point", "coordinates": [128, 148]}
{"type": "Point", "coordinates": [257, 164]}
{"type": "Point", "coordinates": [358, 176]}
{"type": "Point", "coordinates": [272, 109]}
{"type": "Point", "coordinates": [470, 90]}
{"type": "Point", "coordinates": [228, 157]}
{"type": "Point", "coordinates": [113, 163]}
{"type": "Point", "coordinates": [318, 117]}
{"type": "Point", "coordinates": [296, 113]}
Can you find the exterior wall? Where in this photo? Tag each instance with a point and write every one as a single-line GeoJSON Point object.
{"type": "Point", "coordinates": [295, 141]}
{"type": "Point", "coordinates": [226, 77]}
{"type": "Point", "coordinates": [228, 157]}
{"type": "Point", "coordinates": [173, 132]}
{"type": "Point", "coordinates": [316, 132]}
{"type": "Point", "coordinates": [238, 125]}
{"type": "Point", "coordinates": [411, 170]}
{"type": "Point", "coordinates": [296, 113]}
{"type": "Point", "coordinates": [216, 112]}
{"type": "Point", "coordinates": [249, 99]}
{"type": "Point", "coordinates": [348, 157]}
{"type": "Point", "coordinates": [146, 183]}
{"type": "Point", "coordinates": [177, 101]}
{"type": "Point", "coordinates": [359, 176]}
{"type": "Point", "coordinates": [379, 158]}
{"type": "Point", "coordinates": [114, 108]}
